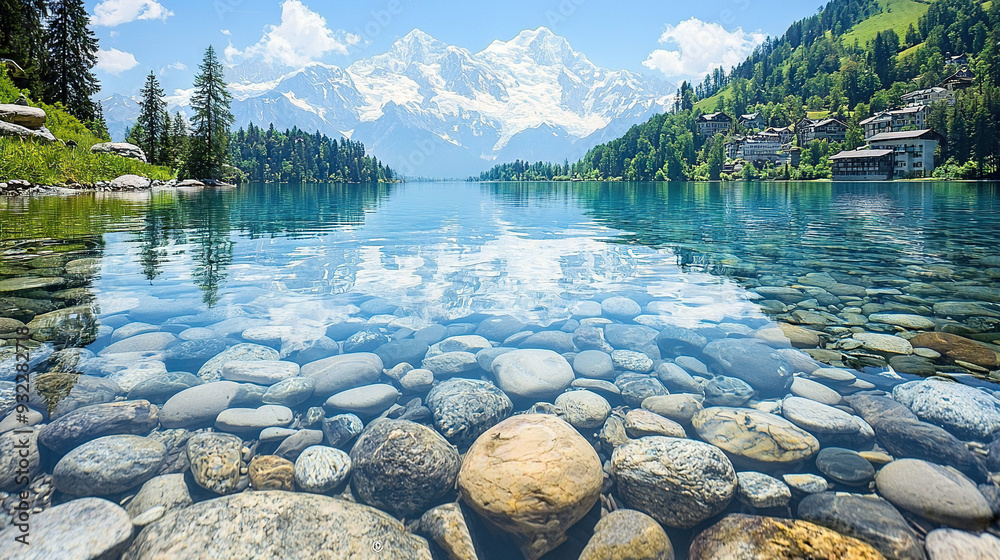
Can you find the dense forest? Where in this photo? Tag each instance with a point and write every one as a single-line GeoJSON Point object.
{"type": "Point", "coordinates": [294, 156]}
{"type": "Point", "coordinates": [813, 68]}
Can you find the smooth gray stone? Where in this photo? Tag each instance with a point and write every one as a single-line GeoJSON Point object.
{"type": "Point", "coordinates": [106, 532]}
{"type": "Point", "coordinates": [290, 392]}
{"type": "Point", "coordinates": [618, 307]}
{"type": "Point", "coordinates": [590, 338]}
{"type": "Point", "coordinates": [911, 438]}
{"type": "Point", "coordinates": [349, 530]}
{"type": "Point", "coordinates": [594, 364]}
{"type": "Point", "coordinates": [499, 328]}
{"type": "Point", "coordinates": [253, 420]}
{"type": "Point", "coordinates": [199, 405]}
{"type": "Point", "coordinates": [532, 374]}
{"type": "Point", "coordinates": [160, 388]}
{"type": "Point", "coordinates": [108, 465]}
{"type": "Point", "coordinates": [364, 341]}
{"type": "Point", "coordinates": [556, 341]}
{"type": "Point", "coordinates": [756, 363]}
{"type": "Point", "coordinates": [346, 371]}
{"type": "Point", "coordinates": [934, 492]}
{"type": "Point", "coordinates": [485, 357]}
{"type": "Point", "coordinates": [630, 337]}
{"type": "Point", "coordinates": [396, 352]}
{"type": "Point", "coordinates": [759, 490]}
{"type": "Point", "coordinates": [169, 491]}
{"type": "Point", "coordinates": [636, 387]}
{"type": "Point", "coordinates": [450, 364]}
{"type": "Point", "coordinates": [679, 341]}
{"type": "Point", "coordinates": [293, 445]}
{"type": "Point", "coordinates": [212, 369]}
{"type": "Point", "coordinates": [369, 400]}
{"type": "Point", "coordinates": [91, 422]}
{"type": "Point", "coordinates": [845, 466]}
{"type": "Point", "coordinates": [727, 391]}
{"type": "Point", "coordinates": [148, 342]}
{"type": "Point", "coordinates": [261, 372]}
{"type": "Point", "coordinates": [676, 379]}
{"type": "Point", "coordinates": [867, 518]}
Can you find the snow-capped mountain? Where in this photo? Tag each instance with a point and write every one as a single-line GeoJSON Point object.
{"type": "Point", "coordinates": [120, 113]}
{"type": "Point", "coordinates": [431, 109]}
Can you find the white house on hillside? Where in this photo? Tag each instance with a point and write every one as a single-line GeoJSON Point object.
{"type": "Point", "coordinates": [913, 151]}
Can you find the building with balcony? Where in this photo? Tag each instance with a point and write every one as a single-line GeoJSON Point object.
{"type": "Point", "coordinates": [896, 120]}
{"type": "Point", "coordinates": [714, 123]}
{"type": "Point", "coordinates": [752, 121]}
{"type": "Point", "coordinates": [863, 165]}
{"type": "Point", "coordinates": [830, 130]}
{"type": "Point", "coordinates": [929, 96]}
{"type": "Point", "coordinates": [913, 151]}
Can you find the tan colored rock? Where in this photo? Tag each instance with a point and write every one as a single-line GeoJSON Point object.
{"type": "Point", "coordinates": [447, 527]}
{"type": "Point", "coordinates": [270, 472]}
{"type": "Point", "coordinates": [751, 537]}
{"type": "Point", "coordinates": [626, 534]}
{"type": "Point", "coordinates": [28, 117]}
{"type": "Point", "coordinates": [753, 437]}
{"type": "Point", "coordinates": [679, 408]}
{"type": "Point", "coordinates": [533, 476]}
{"type": "Point", "coordinates": [640, 423]}
{"type": "Point", "coordinates": [958, 348]}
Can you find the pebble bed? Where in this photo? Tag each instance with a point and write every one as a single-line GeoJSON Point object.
{"type": "Point", "coordinates": [857, 419]}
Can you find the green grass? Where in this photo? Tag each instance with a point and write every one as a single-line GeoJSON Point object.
{"type": "Point", "coordinates": [910, 50]}
{"type": "Point", "coordinates": [817, 114]}
{"type": "Point", "coordinates": [708, 104]}
{"type": "Point", "coordinates": [52, 164]}
{"type": "Point", "coordinates": [896, 15]}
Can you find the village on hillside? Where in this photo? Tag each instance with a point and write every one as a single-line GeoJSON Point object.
{"type": "Point", "coordinates": [898, 144]}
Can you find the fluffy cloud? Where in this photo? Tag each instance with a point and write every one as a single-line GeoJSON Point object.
{"type": "Point", "coordinates": [700, 48]}
{"type": "Point", "coordinates": [301, 38]}
{"type": "Point", "coordinates": [226, 32]}
{"type": "Point", "coordinates": [115, 61]}
{"type": "Point", "coordinates": [110, 13]}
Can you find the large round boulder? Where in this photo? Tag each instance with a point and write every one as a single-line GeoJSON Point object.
{"type": "Point", "coordinates": [533, 476]}
{"type": "Point", "coordinates": [303, 526]}
{"type": "Point", "coordinates": [679, 482]}
{"type": "Point", "coordinates": [626, 534]}
{"type": "Point", "coordinates": [761, 366]}
{"type": "Point", "coordinates": [402, 467]}
{"type": "Point", "coordinates": [108, 465]}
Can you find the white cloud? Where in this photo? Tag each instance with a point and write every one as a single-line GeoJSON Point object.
{"type": "Point", "coordinates": [301, 38]}
{"type": "Point", "coordinates": [179, 66]}
{"type": "Point", "coordinates": [700, 48]}
{"type": "Point", "coordinates": [115, 61]}
{"type": "Point", "coordinates": [110, 13]}
{"type": "Point", "coordinates": [226, 32]}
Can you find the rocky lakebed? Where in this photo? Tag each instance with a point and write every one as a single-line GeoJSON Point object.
{"type": "Point", "coordinates": [852, 415]}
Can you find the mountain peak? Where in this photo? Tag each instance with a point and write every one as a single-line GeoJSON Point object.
{"type": "Point", "coordinates": [540, 45]}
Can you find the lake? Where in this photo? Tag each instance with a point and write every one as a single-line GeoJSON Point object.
{"type": "Point", "coordinates": [807, 336]}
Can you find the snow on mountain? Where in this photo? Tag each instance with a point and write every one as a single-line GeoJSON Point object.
{"type": "Point", "coordinates": [120, 113]}
{"type": "Point", "coordinates": [427, 108]}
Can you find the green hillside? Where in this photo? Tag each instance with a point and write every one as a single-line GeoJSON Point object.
{"type": "Point", "coordinates": [52, 164]}
{"type": "Point", "coordinates": [896, 15]}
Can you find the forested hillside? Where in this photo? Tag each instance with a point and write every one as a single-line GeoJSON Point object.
{"type": "Point", "coordinates": [294, 156]}
{"type": "Point", "coordinates": [813, 70]}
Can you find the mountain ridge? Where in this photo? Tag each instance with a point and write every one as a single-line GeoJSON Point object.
{"type": "Point", "coordinates": [428, 108]}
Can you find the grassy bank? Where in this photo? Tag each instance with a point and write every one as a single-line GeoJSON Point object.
{"type": "Point", "coordinates": [53, 164]}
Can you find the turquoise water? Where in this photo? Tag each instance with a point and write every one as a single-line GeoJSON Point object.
{"type": "Point", "coordinates": [837, 276]}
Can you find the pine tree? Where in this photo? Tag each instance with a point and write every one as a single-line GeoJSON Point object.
{"type": "Point", "coordinates": [178, 141]}
{"type": "Point", "coordinates": [208, 146]}
{"type": "Point", "coordinates": [716, 158]}
{"type": "Point", "coordinates": [151, 111]}
{"type": "Point", "coordinates": [98, 125]}
{"type": "Point", "coordinates": [72, 55]}
{"type": "Point", "coordinates": [21, 40]}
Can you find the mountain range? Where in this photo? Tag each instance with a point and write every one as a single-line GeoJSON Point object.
{"type": "Point", "coordinates": [430, 109]}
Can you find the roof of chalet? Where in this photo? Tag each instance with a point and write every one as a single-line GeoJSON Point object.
{"type": "Point", "coordinates": [825, 122]}
{"type": "Point", "coordinates": [925, 134]}
{"type": "Point", "coordinates": [715, 116]}
{"type": "Point", "coordinates": [912, 94]}
{"type": "Point", "coordinates": [859, 154]}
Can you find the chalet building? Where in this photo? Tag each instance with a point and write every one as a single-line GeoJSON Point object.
{"type": "Point", "coordinates": [714, 123]}
{"type": "Point", "coordinates": [785, 134]}
{"type": "Point", "coordinates": [752, 121]}
{"type": "Point", "coordinates": [929, 96]}
{"type": "Point", "coordinates": [863, 165]}
{"type": "Point", "coordinates": [830, 130]}
{"type": "Point", "coordinates": [897, 120]}
{"type": "Point", "coordinates": [957, 60]}
{"type": "Point", "coordinates": [913, 151]}
{"type": "Point", "coordinates": [962, 79]}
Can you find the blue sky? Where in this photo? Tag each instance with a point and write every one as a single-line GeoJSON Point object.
{"type": "Point", "coordinates": [673, 40]}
